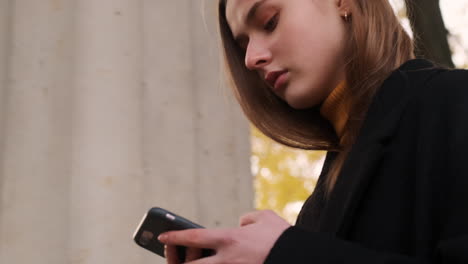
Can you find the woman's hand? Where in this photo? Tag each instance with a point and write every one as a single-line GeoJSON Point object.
{"type": "Point", "coordinates": [249, 244]}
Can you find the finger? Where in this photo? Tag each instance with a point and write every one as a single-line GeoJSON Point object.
{"type": "Point", "coordinates": [197, 238]}
{"type": "Point", "coordinates": [254, 217]}
{"type": "Point", "coordinates": [193, 254]}
{"type": "Point", "coordinates": [171, 255]}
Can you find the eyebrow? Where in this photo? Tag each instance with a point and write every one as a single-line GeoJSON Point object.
{"type": "Point", "coordinates": [251, 13]}
{"type": "Point", "coordinates": [253, 10]}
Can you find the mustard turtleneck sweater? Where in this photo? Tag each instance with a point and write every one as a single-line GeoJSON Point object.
{"type": "Point", "coordinates": [334, 108]}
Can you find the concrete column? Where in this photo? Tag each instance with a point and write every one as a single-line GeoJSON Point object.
{"type": "Point", "coordinates": [198, 164]}
{"type": "Point", "coordinates": [35, 160]}
{"type": "Point", "coordinates": [4, 50]}
{"type": "Point", "coordinates": [222, 143]}
{"type": "Point", "coordinates": [107, 178]}
{"type": "Point", "coordinates": [111, 107]}
{"type": "Point", "coordinates": [169, 108]}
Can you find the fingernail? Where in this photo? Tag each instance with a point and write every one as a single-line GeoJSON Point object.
{"type": "Point", "coordinates": [162, 237]}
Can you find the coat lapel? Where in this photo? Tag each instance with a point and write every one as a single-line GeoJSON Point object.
{"type": "Point", "coordinates": [367, 153]}
{"type": "Point", "coordinates": [350, 186]}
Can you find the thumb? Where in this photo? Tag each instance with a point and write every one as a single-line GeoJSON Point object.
{"type": "Point", "coordinates": [254, 217]}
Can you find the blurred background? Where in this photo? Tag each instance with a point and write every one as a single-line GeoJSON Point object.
{"type": "Point", "coordinates": [108, 108]}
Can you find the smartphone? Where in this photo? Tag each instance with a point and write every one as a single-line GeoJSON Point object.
{"type": "Point", "coordinates": [157, 221]}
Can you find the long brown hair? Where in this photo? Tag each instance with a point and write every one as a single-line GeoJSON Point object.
{"type": "Point", "coordinates": [377, 45]}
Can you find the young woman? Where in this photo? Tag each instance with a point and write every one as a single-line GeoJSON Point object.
{"type": "Point", "coordinates": [340, 75]}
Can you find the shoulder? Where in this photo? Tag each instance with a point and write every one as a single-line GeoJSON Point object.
{"type": "Point", "coordinates": [447, 89]}
{"type": "Point", "coordinates": [418, 92]}
{"type": "Point", "coordinates": [423, 76]}
{"type": "Point", "coordinates": [437, 104]}
{"type": "Point", "coordinates": [450, 84]}
{"type": "Point", "coordinates": [421, 82]}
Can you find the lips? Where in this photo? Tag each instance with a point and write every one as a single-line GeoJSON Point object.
{"type": "Point", "coordinates": [272, 78]}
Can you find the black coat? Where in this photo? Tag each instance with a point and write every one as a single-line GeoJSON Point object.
{"type": "Point", "coordinates": [402, 195]}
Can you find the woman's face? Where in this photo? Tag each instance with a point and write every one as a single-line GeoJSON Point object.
{"type": "Point", "coordinates": [296, 46]}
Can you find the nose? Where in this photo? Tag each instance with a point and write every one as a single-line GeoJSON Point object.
{"type": "Point", "coordinates": [257, 55]}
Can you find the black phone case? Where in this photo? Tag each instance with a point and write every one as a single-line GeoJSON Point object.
{"type": "Point", "coordinates": [157, 221]}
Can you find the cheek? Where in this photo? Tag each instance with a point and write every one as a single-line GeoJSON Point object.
{"type": "Point", "coordinates": [316, 45]}
{"type": "Point", "coordinates": [314, 37]}
{"type": "Point", "coordinates": [316, 56]}
{"type": "Point", "coordinates": [304, 91]}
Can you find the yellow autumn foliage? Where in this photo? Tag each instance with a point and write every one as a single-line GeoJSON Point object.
{"type": "Point", "coordinates": [284, 177]}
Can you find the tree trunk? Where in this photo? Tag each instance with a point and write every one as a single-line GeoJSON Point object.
{"type": "Point", "coordinates": [429, 31]}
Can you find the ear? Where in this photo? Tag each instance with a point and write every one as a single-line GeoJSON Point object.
{"type": "Point", "coordinates": [344, 7]}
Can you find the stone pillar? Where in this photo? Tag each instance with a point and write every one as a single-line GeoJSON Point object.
{"type": "Point", "coordinates": [35, 155]}
{"type": "Point", "coordinates": [111, 107]}
{"type": "Point", "coordinates": [106, 152]}
{"type": "Point", "coordinates": [4, 51]}
{"type": "Point", "coordinates": [223, 149]}
{"type": "Point", "coordinates": [202, 148]}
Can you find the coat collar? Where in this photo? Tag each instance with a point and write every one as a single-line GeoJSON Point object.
{"type": "Point", "coordinates": [367, 152]}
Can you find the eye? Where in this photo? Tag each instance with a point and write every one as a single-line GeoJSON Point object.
{"type": "Point", "coordinates": [271, 24]}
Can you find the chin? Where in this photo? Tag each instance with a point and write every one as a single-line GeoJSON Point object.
{"type": "Point", "coordinates": [300, 106]}
{"type": "Point", "coordinates": [300, 102]}
{"type": "Point", "coordinates": [300, 97]}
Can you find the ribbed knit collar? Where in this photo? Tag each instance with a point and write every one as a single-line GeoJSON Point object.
{"type": "Point", "coordinates": [334, 108]}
